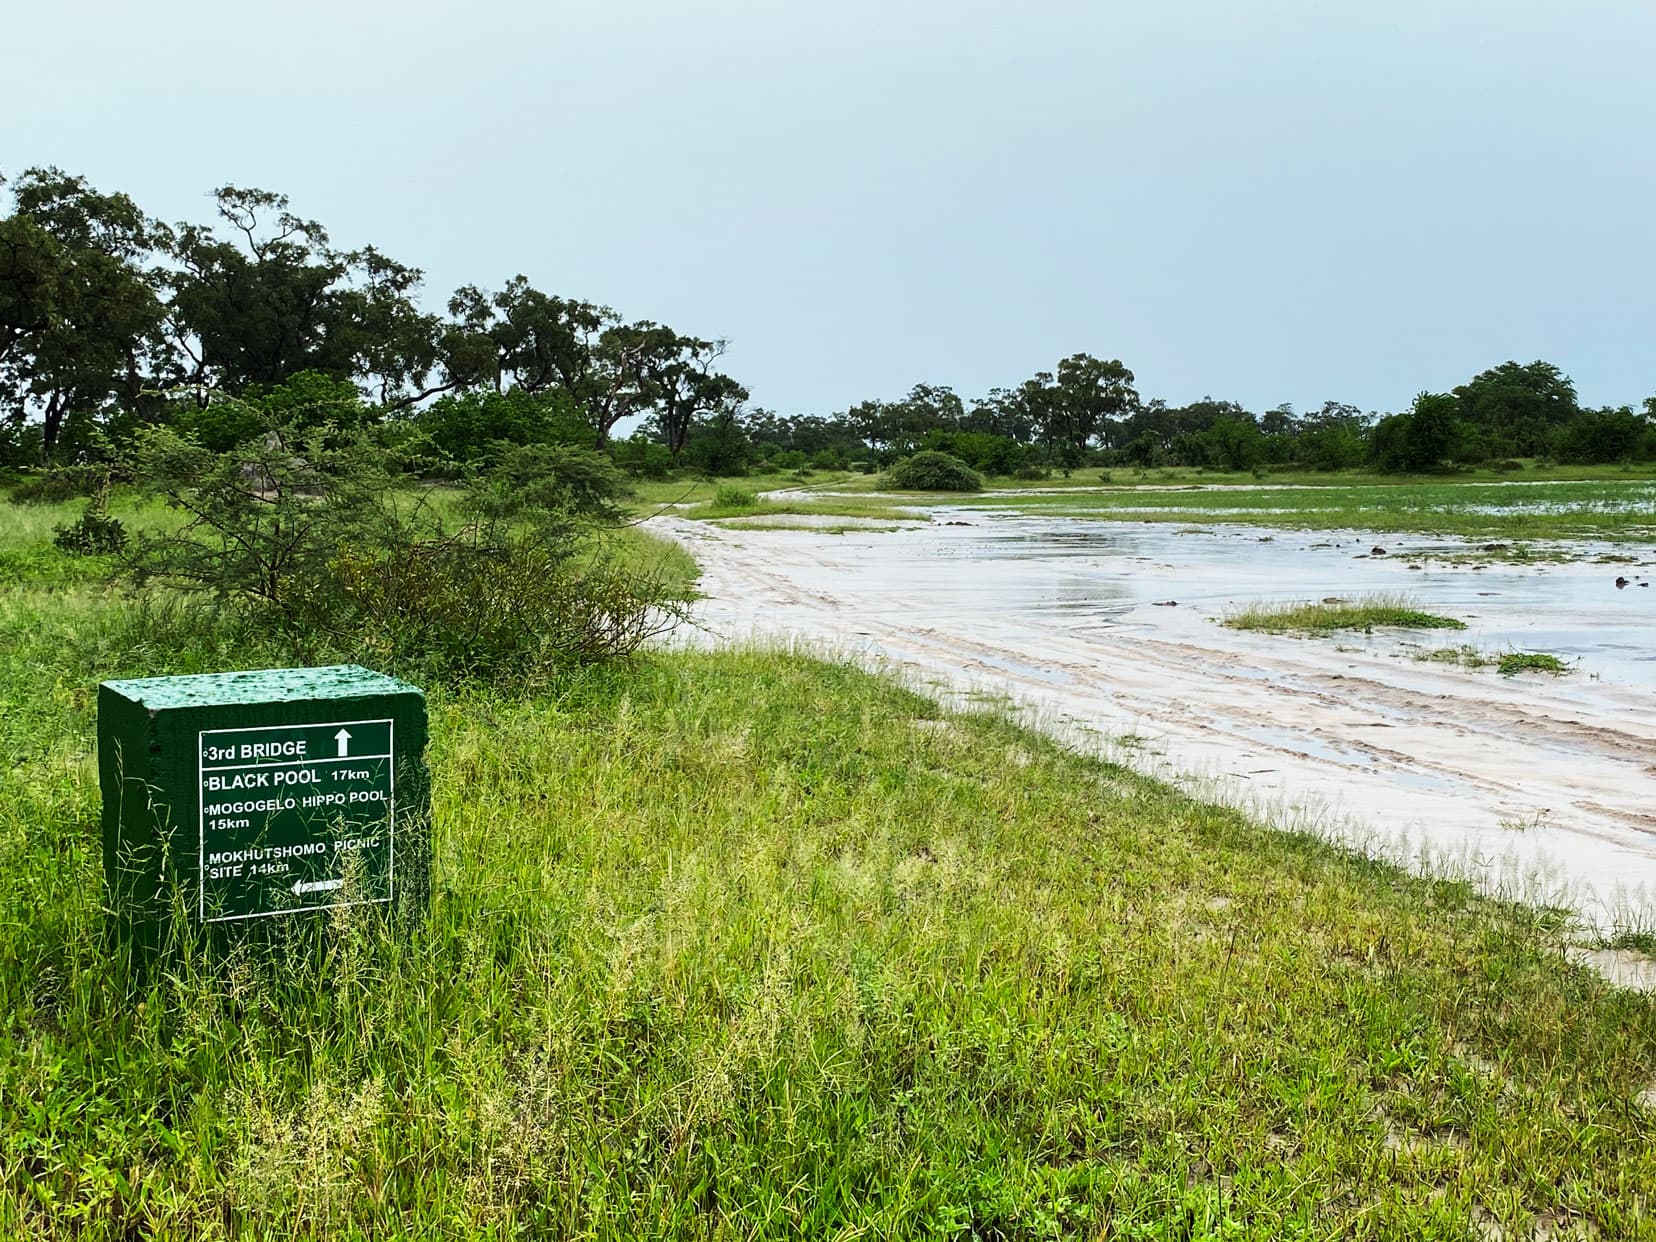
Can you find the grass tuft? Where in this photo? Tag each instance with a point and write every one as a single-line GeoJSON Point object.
{"type": "Point", "coordinates": [1514, 662]}
{"type": "Point", "coordinates": [1372, 612]}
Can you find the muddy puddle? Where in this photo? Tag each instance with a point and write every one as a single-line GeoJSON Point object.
{"type": "Point", "coordinates": [1107, 634]}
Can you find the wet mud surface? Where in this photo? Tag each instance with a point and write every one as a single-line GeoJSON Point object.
{"type": "Point", "coordinates": [1107, 634]}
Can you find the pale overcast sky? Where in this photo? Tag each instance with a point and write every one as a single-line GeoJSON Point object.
{"type": "Point", "coordinates": [1269, 201]}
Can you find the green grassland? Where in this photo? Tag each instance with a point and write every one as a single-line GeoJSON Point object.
{"type": "Point", "coordinates": [827, 494]}
{"type": "Point", "coordinates": [1612, 510]}
{"type": "Point", "coordinates": [1528, 470]}
{"type": "Point", "coordinates": [751, 945]}
{"type": "Point", "coordinates": [1586, 502]}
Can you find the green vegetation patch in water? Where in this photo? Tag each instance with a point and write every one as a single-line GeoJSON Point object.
{"type": "Point", "coordinates": [1378, 612]}
{"type": "Point", "coordinates": [1514, 662]}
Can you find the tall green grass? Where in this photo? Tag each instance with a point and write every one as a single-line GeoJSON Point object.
{"type": "Point", "coordinates": [748, 945]}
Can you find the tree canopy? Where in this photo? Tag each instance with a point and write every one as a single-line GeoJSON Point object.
{"type": "Point", "coordinates": [112, 321]}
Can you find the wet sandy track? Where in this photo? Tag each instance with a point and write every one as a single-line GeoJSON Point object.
{"type": "Point", "coordinates": [1541, 788]}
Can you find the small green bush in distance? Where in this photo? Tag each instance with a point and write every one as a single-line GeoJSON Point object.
{"type": "Point", "coordinates": [50, 487]}
{"type": "Point", "coordinates": [1373, 612]}
{"type": "Point", "coordinates": [734, 498]}
{"type": "Point", "coordinates": [1515, 662]}
{"type": "Point", "coordinates": [931, 471]}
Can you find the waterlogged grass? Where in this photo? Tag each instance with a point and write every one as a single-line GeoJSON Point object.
{"type": "Point", "coordinates": [1598, 509]}
{"type": "Point", "coordinates": [750, 506]}
{"type": "Point", "coordinates": [1513, 662]}
{"type": "Point", "coordinates": [819, 493]}
{"type": "Point", "coordinates": [1375, 612]}
{"type": "Point", "coordinates": [654, 495]}
{"type": "Point", "coordinates": [1561, 503]}
{"type": "Point", "coordinates": [1507, 663]}
{"type": "Point", "coordinates": [1462, 656]}
{"type": "Point", "coordinates": [748, 945]}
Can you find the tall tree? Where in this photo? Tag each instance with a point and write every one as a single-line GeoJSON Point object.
{"type": "Point", "coordinates": [1092, 397]}
{"type": "Point", "coordinates": [524, 338]}
{"type": "Point", "coordinates": [273, 298]}
{"type": "Point", "coordinates": [1517, 406]}
{"type": "Point", "coordinates": [681, 384]}
{"type": "Point", "coordinates": [80, 312]}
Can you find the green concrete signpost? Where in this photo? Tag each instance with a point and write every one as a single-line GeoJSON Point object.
{"type": "Point", "coordinates": [242, 798]}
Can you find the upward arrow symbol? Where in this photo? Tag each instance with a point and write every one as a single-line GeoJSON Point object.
{"type": "Point", "coordinates": [344, 740]}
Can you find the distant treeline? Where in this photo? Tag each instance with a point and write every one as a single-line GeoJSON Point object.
{"type": "Point", "coordinates": [111, 320]}
{"type": "Point", "coordinates": [1087, 412]}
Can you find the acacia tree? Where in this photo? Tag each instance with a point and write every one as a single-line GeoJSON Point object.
{"type": "Point", "coordinates": [681, 384]}
{"type": "Point", "coordinates": [524, 338]}
{"type": "Point", "coordinates": [276, 298]}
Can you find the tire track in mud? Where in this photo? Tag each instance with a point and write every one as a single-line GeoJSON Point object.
{"type": "Point", "coordinates": [1536, 791]}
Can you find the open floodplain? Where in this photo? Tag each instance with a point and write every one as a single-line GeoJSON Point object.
{"type": "Point", "coordinates": [1100, 613]}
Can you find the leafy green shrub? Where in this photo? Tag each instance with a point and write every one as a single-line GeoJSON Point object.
{"type": "Point", "coordinates": [734, 498]}
{"type": "Point", "coordinates": [643, 458]}
{"type": "Point", "coordinates": [484, 603]}
{"type": "Point", "coordinates": [543, 480]}
{"type": "Point", "coordinates": [467, 425]}
{"type": "Point", "coordinates": [309, 533]}
{"type": "Point", "coordinates": [95, 534]}
{"type": "Point", "coordinates": [931, 471]}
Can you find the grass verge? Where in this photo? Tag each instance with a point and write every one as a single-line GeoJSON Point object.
{"type": "Point", "coordinates": [1375, 612]}
{"type": "Point", "coordinates": [749, 945]}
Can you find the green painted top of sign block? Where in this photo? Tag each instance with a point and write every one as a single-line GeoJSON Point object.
{"type": "Point", "coordinates": [271, 685]}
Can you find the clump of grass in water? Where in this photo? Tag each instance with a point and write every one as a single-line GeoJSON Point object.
{"type": "Point", "coordinates": [1507, 663]}
{"type": "Point", "coordinates": [1514, 662]}
{"type": "Point", "coordinates": [1369, 613]}
{"type": "Point", "coordinates": [1462, 656]}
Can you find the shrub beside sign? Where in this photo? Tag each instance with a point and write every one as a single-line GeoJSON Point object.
{"type": "Point", "coordinates": [240, 797]}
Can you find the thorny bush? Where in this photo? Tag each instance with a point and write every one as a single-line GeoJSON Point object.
{"type": "Point", "coordinates": [502, 575]}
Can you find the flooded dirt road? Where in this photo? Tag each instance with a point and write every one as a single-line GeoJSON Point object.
{"type": "Point", "coordinates": [1107, 634]}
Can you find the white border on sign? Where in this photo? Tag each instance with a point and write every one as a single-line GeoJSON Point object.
{"type": "Point", "coordinates": [390, 823]}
